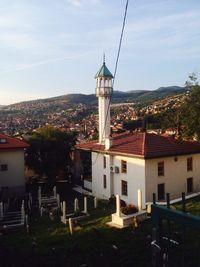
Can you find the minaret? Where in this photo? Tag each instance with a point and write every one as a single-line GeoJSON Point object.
{"type": "Point", "coordinates": [104, 80]}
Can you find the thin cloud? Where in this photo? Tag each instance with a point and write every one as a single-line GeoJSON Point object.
{"type": "Point", "coordinates": [44, 62]}
{"type": "Point", "coordinates": [79, 3]}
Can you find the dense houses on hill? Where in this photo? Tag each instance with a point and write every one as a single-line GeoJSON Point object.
{"type": "Point", "coordinates": [83, 118]}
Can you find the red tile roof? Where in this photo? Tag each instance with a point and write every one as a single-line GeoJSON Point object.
{"type": "Point", "coordinates": [7, 142]}
{"type": "Point", "coordinates": [145, 145]}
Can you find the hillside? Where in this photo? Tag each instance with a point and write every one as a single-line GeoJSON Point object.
{"type": "Point", "coordinates": [70, 100]}
{"type": "Point", "coordinates": [77, 111]}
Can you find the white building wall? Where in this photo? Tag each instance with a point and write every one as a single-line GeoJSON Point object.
{"type": "Point", "coordinates": [175, 175]}
{"type": "Point", "coordinates": [14, 176]}
{"type": "Point", "coordinates": [135, 177]}
{"type": "Point", "coordinates": [98, 171]}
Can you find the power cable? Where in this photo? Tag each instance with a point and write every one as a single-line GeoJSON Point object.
{"type": "Point", "coordinates": [116, 65]}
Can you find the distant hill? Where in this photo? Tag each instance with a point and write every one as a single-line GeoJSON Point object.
{"type": "Point", "coordinates": [160, 93]}
{"type": "Point", "coordinates": [70, 100]}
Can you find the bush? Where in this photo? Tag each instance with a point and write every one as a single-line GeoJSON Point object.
{"type": "Point", "coordinates": [129, 209]}
{"type": "Point", "coordinates": [112, 201]}
{"type": "Point", "coordinates": [122, 203]}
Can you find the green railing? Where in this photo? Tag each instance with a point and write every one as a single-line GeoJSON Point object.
{"type": "Point", "coordinates": [175, 235]}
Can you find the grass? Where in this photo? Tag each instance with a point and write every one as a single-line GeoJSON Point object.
{"type": "Point", "coordinates": [192, 206]}
{"type": "Point", "coordinates": [92, 244]}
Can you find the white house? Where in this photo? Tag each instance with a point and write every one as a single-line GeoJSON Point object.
{"type": "Point", "coordinates": [12, 164]}
{"type": "Point", "coordinates": [124, 163]}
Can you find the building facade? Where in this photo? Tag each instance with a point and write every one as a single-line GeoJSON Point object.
{"type": "Point", "coordinates": [125, 163]}
{"type": "Point", "coordinates": [12, 164]}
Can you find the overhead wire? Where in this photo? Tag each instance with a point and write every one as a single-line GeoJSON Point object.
{"type": "Point", "coordinates": [115, 72]}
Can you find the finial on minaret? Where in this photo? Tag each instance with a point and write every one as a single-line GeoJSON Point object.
{"type": "Point", "coordinates": [104, 58]}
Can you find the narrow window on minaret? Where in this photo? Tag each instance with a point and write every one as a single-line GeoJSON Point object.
{"type": "Point", "coordinates": [104, 181]}
{"type": "Point", "coordinates": [104, 162]}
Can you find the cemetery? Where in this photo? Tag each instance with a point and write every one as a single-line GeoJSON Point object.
{"type": "Point", "coordinates": [76, 230]}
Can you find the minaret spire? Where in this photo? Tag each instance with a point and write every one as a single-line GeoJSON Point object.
{"type": "Point", "coordinates": [104, 58]}
{"type": "Point", "coordinates": [104, 91]}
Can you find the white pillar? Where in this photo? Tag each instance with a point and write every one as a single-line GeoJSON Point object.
{"type": "Point", "coordinates": [85, 205]}
{"type": "Point", "coordinates": [39, 196]}
{"type": "Point", "coordinates": [39, 192]}
{"type": "Point", "coordinates": [54, 191]}
{"type": "Point", "coordinates": [29, 204]}
{"type": "Point", "coordinates": [139, 196]}
{"type": "Point", "coordinates": [22, 214]}
{"type": "Point", "coordinates": [118, 206]}
{"type": "Point", "coordinates": [64, 210]}
{"type": "Point", "coordinates": [30, 198]}
{"type": "Point", "coordinates": [76, 206]}
{"type": "Point", "coordinates": [58, 200]}
{"type": "Point", "coordinates": [95, 202]}
{"type": "Point", "coordinates": [41, 211]}
{"type": "Point", "coordinates": [1, 210]}
{"type": "Point", "coordinates": [26, 220]}
{"type": "Point", "coordinates": [71, 229]}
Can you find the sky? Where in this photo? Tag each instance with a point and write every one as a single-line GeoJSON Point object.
{"type": "Point", "coordinates": [50, 48]}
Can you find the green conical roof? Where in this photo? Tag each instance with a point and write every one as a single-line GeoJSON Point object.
{"type": "Point", "coordinates": [104, 72]}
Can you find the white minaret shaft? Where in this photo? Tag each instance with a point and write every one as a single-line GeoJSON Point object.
{"type": "Point", "coordinates": [103, 92]}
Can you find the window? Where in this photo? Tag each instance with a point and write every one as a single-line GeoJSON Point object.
{"type": "Point", "coordinates": [3, 140]}
{"type": "Point", "coordinates": [161, 191]}
{"type": "Point", "coordinates": [4, 167]}
{"type": "Point", "coordinates": [123, 166]}
{"type": "Point", "coordinates": [104, 181]}
{"type": "Point", "coordinates": [124, 188]}
{"type": "Point", "coordinates": [189, 164]}
{"type": "Point", "coordinates": [161, 168]}
{"type": "Point", "coordinates": [189, 185]}
{"type": "Point", "coordinates": [104, 162]}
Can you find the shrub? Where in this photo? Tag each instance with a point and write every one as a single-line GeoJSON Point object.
{"type": "Point", "coordinates": [122, 203]}
{"type": "Point", "coordinates": [112, 200]}
{"type": "Point", "coordinates": [129, 209]}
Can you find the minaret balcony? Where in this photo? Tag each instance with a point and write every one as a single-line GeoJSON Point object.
{"type": "Point", "coordinates": [104, 91]}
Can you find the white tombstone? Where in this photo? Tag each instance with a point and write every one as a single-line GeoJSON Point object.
{"type": "Point", "coordinates": [41, 211]}
{"type": "Point", "coordinates": [39, 192]}
{"type": "Point", "coordinates": [26, 219]}
{"type": "Point", "coordinates": [139, 199]}
{"type": "Point", "coordinates": [76, 205]}
{"type": "Point", "coordinates": [58, 200]}
{"type": "Point", "coordinates": [30, 198]}
{"type": "Point", "coordinates": [95, 202]}
{"type": "Point", "coordinates": [54, 191]}
{"type": "Point", "coordinates": [29, 204]}
{"type": "Point", "coordinates": [85, 205]}
{"type": "Point", "coordinates": [1, 210]}
{"type": "Point", "coordinates": [39, 196]}
{"type": "Point", "coordinates": [64, 210]}
{"type": "Point", "coordinates": [22, 214]}
{"type": "Point", "coordinates": [118, 206]}
{"type": "Point", "coordinates": [71, 227]}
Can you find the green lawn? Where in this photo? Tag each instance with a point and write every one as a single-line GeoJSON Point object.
{"type": "Point", "coordinates": [92, 244]}
{"type": "Point", "coordinates": [192, 206]}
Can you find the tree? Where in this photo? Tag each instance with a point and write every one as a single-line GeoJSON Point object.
{"type": "Point", "coordinates": [190, 111]}
{"type": "Point", "coordinates": [49, 152]}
